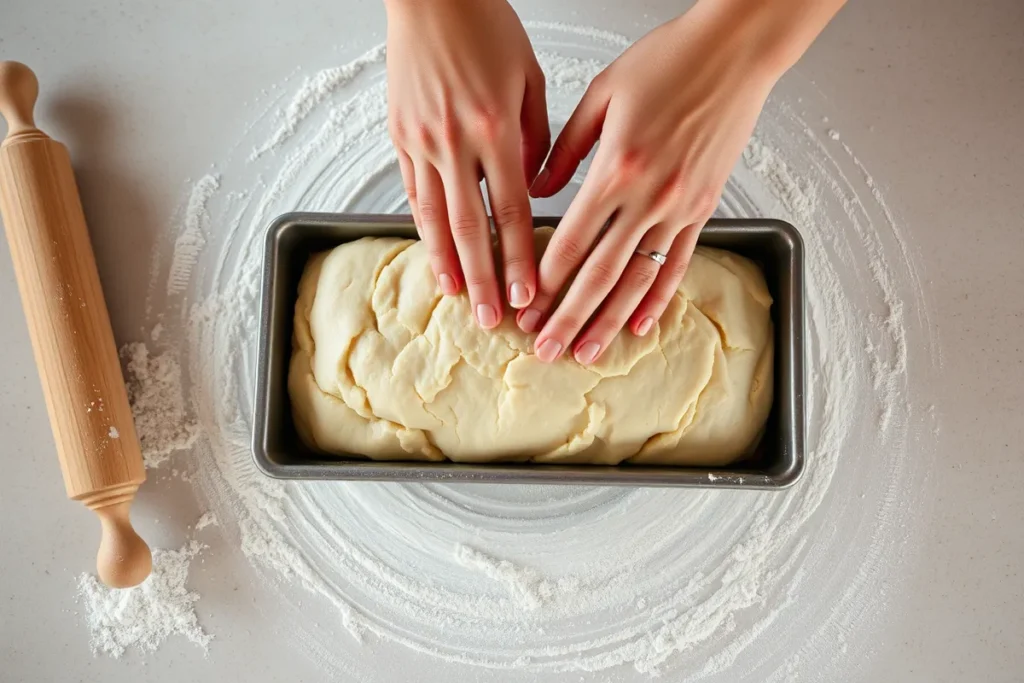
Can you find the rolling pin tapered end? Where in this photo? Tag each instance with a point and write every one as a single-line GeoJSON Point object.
{"type": "Point", "coordinates": [18, 92]}
{"type": "Point", "coordinates": [124, 559]}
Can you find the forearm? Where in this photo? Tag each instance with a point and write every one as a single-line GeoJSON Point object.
{"type": "Point", "coordinates": [778, 31]}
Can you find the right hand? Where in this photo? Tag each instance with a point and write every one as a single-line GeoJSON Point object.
{"type": "Point", "coordinates": [465, 100]}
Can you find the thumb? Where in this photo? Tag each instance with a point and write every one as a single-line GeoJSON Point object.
{"type": "Point", "coordinates": [579, 136]}
{"type": "Point", "coordinates": [534, 122]}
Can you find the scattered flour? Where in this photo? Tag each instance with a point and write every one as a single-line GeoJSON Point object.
{"type": "Point", "coordinates": [145, 616]}
{"type": "Point", "coordinates": [565, 579]}
{"type": "Point", "coordinates": [528, 587]}
{"type": "Point", "coordinates": [158, 404]}
{"type": "Point", "coordinates": [192, 238]}
{"type": "Point", "coordinates": [205, 520]}
{"type": "Point", "coordinates": [315, 90]}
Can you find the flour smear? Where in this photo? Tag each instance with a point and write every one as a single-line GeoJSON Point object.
{"type": "Point", "coordinates": [610, 583]}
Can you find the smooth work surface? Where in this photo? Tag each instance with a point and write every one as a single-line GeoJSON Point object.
{"type": "Point", "coordinates": [929, 93]}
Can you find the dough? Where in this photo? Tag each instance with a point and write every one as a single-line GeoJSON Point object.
{"type": "Point", "coordinates": [385, 367]}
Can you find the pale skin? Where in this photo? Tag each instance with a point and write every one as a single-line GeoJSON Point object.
{"type": "Point", "coordinates": [672, 114]}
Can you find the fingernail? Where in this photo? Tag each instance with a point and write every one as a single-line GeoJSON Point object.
{"type": "Point", "coordinates": [644, 327]}
{"type": "Point", "coordinates": [586, 354]}
{"type": "Point", "coordinates": [549, 350]}
{"type": "Point", "coordinates": [528, 320]}
{"type": "Point", "coordinates": [486, 316]}
{"type": "Point", "coordinates": [518, 295]}
{"type": "Point", "coordinates": [540, 181]}
{"type": "Point", "coordinates": [447, 284]}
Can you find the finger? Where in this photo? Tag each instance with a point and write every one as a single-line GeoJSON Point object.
{"type": "Point", "coordinates": [595, 281]}
{"type": "Point", "coordinates": [408, 170]}
{"type": "Point", "coordinates": [534, 124]}
{"type": "Point", "coordinates": [665, 286]}
{"type": "Point", "coordinates": [471, 232]}
{"type": "Point", "coordinates": [576, 233]}
{"type": "Point", "coordinates": [639, 275]}
{"type": "Point", "coordinates": [574, 142]}
{"type": "Point", "coordinates": [510, 207]}
{"type": "Point", "coordinates": [434, 228]}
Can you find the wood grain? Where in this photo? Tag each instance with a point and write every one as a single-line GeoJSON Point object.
{"type": "Point", "coordinates": [70, 328]}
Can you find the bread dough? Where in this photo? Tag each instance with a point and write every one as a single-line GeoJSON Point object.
{"type": "Point", "coordinates": [385, 367]}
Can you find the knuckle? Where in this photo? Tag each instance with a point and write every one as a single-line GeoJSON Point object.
{"type": "Point", "coordinates": [674, 189]}
{"type": "Point", "coordinates": [704, 203]}
{"type": "Point", "coordinates": [598, 84]}
{"type": "Point", "coordinates": [534, 73]}
{"type": "Point", "coordinates": [601, 276]}
{"type": "Point", "coordinates": [631, 162]}
{"type": "Point", "coordinates": [658, 299]}
{"type": "Point", "coordinates": [678, 270]}
{"type": "Point", "coordinates": [510, 213]}
{"type": "Point", "coordinates": [607, 326]}
{"type": "Point", "coordinates": [567, 251]}
{"type": "Point", "coordinates": [436, 252]}
{"type": "Point", "coordinates": [642, 276]}
{"type": "Point", "coordinates": [465, 227]}
{"type": "Point", "coordinates": [516, 262]}
{"type": "Point", "coordinates": [568, 322]}
{"type": "Point", "coordinates": [397, 130]}
{"type": "Point", "coordinates": [425, 137]}
{"type": "Point", "coordinates": [488, 123]}
{"type": "Point", "coordinates": [450, 131]}
{"type": "Point", "coordinates": [478, 279]}
{"type": "Point", "coordinates": [430, 212]}
{"type": "Point", "coordinates": [563, 149]}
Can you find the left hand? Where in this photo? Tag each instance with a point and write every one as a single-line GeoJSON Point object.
{"type": "Point", "coordinates": [673, 114]}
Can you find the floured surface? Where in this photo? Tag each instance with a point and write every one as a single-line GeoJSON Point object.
{"type": "Point", "coordinates": [444, 581]}
{"type": "Point", "coordinates": [386, 367]}
{"type": "Point", "coordinates": [144, 616]}
{"type": "Point", "coordinates": [910, 566]}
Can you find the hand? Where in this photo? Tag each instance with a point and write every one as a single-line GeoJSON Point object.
{"type": "Point", "coordinates": [673, 114]}
{"type": "Point", "coordinates": [466, 99]}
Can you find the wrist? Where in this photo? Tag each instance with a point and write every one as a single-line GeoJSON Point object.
{"type": "Point", "coordinates": [774, 33]}
{"type": "Point", "coordinates": [408, 5]}
{"type": "Point", "coordinates": [430, 5]}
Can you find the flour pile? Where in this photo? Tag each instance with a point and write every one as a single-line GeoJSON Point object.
{"type": "Point", "coordinates": [694, 584]}
{"type": "Point", "coordinates": [145, 616]}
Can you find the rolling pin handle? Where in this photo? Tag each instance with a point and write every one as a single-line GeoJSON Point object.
{"type": "Point", "coordinates": [18, 92]}
{"type": "Point", "coordinates": [124, 559]}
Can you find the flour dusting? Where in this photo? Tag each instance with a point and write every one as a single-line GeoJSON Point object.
{"type": "Point", "coordinates": [526, 585]}
{"type": "Point", "coordinates": [158, 404]}
{"type": "Point", "coordinates": [145, 616]}
{"type": "Point", "coordinates": [192, 238]}
{"type": "Point", "coordinates": [527, 580]}
{"type": "Point", "coordinates": [315, 90]}
{"type": "Point", "coordinates": [206, 519]}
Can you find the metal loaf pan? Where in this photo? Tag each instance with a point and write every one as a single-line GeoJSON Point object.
{"type": "Point", "coordinates": [279, 452]}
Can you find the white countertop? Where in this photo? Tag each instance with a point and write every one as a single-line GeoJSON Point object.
{"type": "Point", "coordinates": [929, 94]}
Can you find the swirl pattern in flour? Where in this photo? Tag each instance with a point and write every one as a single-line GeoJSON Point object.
{"type": "Point", "coordinates": [702, 585]}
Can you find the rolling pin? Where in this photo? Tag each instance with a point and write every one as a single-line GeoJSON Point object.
{"type": "Point", "coordinates": [68, 323]}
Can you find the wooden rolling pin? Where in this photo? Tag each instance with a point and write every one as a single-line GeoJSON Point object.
{"type": "Point", "coordinates": [70, 329]}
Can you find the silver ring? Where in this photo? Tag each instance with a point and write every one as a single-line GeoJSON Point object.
{"type": "Point", "coordinates": [655, 256]}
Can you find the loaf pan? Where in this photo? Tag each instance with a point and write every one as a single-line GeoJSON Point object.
{"type": "Point", "coordinates": [279, 452]}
